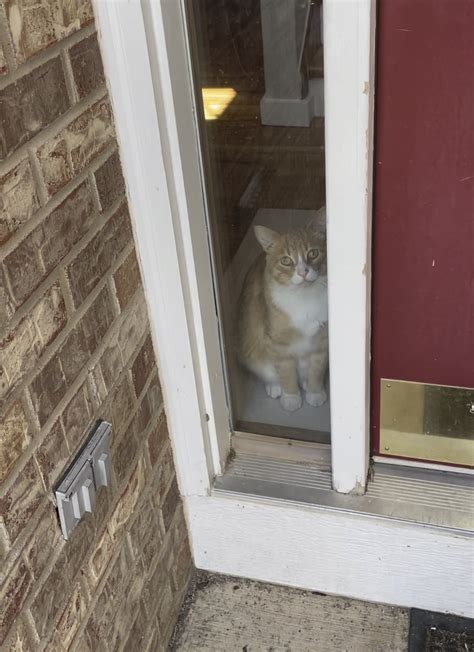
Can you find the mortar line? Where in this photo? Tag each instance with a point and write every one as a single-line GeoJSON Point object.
{"type": "Point", "coordinates": [26, 307]}
{"type": "Point", "coordinates": [54, 128]}
{"type": "Point", "coordinates": [46, 55]}
{"type": "Point", "coordinates": [52, 203]}
{"type": "Point", "coordinates": [26, 535]}
{"type": "Point", "coordinates": [75, 385]}
{"type": "Point", "coordinates": [71, 87]}
{"type": "Point", "coordinates": [106, 574]}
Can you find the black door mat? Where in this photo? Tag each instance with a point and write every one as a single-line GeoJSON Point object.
{"type": "Point", "coordinates": [435, 632]}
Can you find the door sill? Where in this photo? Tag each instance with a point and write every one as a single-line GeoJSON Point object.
{"type": "Point", "coordinates": [434, 466]}
{"type": "Point", "coordinates": [300, 473]}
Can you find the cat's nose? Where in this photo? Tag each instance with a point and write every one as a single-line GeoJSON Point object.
{"type": "Point", "coordinates": [302, 271]}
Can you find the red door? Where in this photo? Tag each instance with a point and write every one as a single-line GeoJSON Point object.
{"type": "Point", "coordinates": [423, 258]}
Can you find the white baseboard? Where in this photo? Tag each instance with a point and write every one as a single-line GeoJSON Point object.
{"type": "Point", "coordinates": [335, 552]}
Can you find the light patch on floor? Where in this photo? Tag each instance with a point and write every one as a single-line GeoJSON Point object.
{"type": "Point", "coordinates": [228, 614]}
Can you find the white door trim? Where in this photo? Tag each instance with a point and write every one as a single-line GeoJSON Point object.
{"type": "Point", "coordinates": [349, 54]}
{"type": "Point", "coordinates": [175, 246]}
{"type": "Point", "coordinates": [144, 49]}
{"type": "Point", "coordinates": [358, 556]}
{"type": "Point", "coordinates": [142, 102]}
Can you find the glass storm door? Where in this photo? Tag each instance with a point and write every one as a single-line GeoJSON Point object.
{"type": "Point", "coordinates": [423, 271]}
{"type": "Point", "coordinates": [258, 78]}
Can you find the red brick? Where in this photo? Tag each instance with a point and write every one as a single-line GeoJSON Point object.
{"type": "Point", "coordinates": [118, 407]}
{"type": "Point", "coordinates": [128, 500]}
{"type": "Point", "coordinates": [3, 63]}
{"type": "Point", "coordinates": [109, 367]}
{"type": "Point", "coordinates": [54, 158]}
{"type": "Point", "coordinates": [73, 354]}
{"type": "Point", "coordinates": [49, 599]}
{"type": "Point", "coordinates": [91, 132]}
{"type": "Point", "coordinates": [14, 438]}
{"type": "Point", "coordinates": [158, 588]}
{"type": "Point", "coordinates": [154, 642]}
{"type": "Point", "coordinates": [76, 146]}
{"type": "Point", "coordinates": [19, 199]}
{"type": "Point", "coordinates": [127, 279]}
{"type": "Point", "coordinates": [157, 440]}
{"type": "Point", "coordinates": [86, 337]}
{"type": "Point", "coordinates": [179, 533]}
{"type": "Point", "coordinates": [43, 23]}
{"type": "Point", "coordinates": [163, 474]}
{"type": "Point", "coordinates": [23, 346]}
{"type": "Point", "coordinates": [154, 394]}
{"type": "Point", "coordinates": [100, 557]}
{"type": "Point", "coordinates": [94, 261]}
{"type": "Point", "coordinates": [65, 226]}
{"type": "Point", "coordinates": [133, 327]}
{"type": "Point", "coordinates": [53, 455]}
{"type": "Point", "coordinates": [123, 457]}
{"type": "Point", "coordinates": [79, 545]}
{"type": "Point", "coordinates": [31, 104]}
{"type": "Point", "coordinates": [23, 272]}
{"type": "Point", "coordinates": [70, 619]}
{"type": "Point", "coordinates": [102, 615]}
{"type": "Point", "coordinates": [86, 65]}
{"type": "Point", "coordinates": [182, 566]}
{"type": "Point", "coordinates": [12, 596]}
{"type": "Point", "coordinates": [143, 365]}
{"type": "Point", "coordinates": [137, 636]}
{"type": "Point", "coordinates": [21, 502]}
{"type": "Point", "coordinates": [123, 621]}
{"type": "Point", "coordinates": [47, 389]}
{"type": "Point", "coordinates": [98, 319]}
{"type": "Point", "coordinates": [43, 543]}
{"type": "Point", "coordinates": [170, 504]}
{"type": "Point", "coordinates": [20, 638]}
{"type": "Point", "coordinates": [109, 180]}
{"type": "Point", "coordinates": [4, 544]}
{"type": "Point", "coordinates": [145, 534]}
{"type": "Point", "coordinates": [144, 416]}
{"type": "Point", "coordinates": [77, 417]}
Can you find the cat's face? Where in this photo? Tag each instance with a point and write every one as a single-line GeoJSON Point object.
{"type": "Point", "coordinates": [295, 259]}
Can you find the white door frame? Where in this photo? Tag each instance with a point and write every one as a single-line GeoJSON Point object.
{"type": "Point", "coordinates": [145, 55]}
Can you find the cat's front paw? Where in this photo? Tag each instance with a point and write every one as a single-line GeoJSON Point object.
{"type": "Point", "coordinates": [291, 402]}
{"type": "Point", "coordinates": [273, 390]}
{"type": "Point", "coordinates": [316, 399]}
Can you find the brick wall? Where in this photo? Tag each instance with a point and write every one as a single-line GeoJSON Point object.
{"type": "Point", "coordinates": [75, 346]}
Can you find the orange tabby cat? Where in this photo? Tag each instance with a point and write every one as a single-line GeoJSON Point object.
{"type": "Point", "coordinates": [282, 329]}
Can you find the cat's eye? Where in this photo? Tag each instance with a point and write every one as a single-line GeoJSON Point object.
{"type": "Point", "coordinates": [286, 260]}
{"type": "Point", "coordinates": [312, 254]}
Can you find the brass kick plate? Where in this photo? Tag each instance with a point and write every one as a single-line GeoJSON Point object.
{"type": "Point", "coordinates": [427, 422]}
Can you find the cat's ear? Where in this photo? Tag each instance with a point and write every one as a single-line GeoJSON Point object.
{"type": "Point", "coordinates": [317, 229]}
{"type": "Point", "coordinates": [267, 237]}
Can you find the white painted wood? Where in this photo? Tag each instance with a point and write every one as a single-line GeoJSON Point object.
{"type": "Point", "coordinates": [375, 559]}
{"type": "Point", "coordinates": [154, 111]}
{"type": "Point", "coordinates": [170, 64]}
{"type": "Point", "coordinates": [156, 220]}
{"type": "Point", "coordinates": [349, 30]}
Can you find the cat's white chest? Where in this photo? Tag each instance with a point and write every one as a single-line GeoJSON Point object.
{"type": "Point", "coordinates": [307, 307]}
